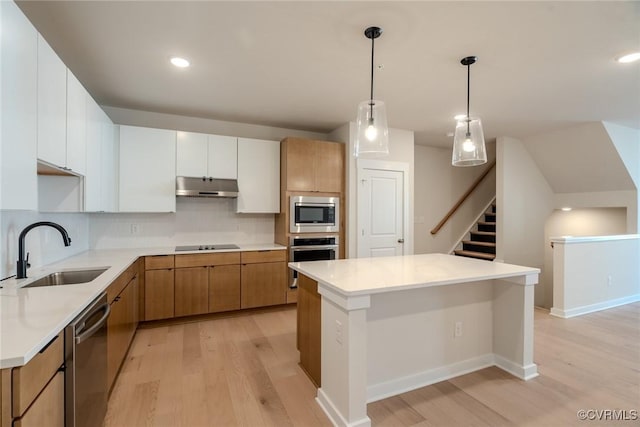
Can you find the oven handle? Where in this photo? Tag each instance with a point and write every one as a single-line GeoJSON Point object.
{"type": "Point", "coordinates": [312, 247]}
{"type": "Point", "coordinates": [89, 332]}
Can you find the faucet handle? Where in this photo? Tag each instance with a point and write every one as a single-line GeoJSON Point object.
{"type": "Point", "coordinates": [27, 260]}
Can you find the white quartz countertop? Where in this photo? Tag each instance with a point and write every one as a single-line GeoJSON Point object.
{"type": "Point", "coordinates": [363, 276]}
{"type": "Point", "coordinates": [31, 317]}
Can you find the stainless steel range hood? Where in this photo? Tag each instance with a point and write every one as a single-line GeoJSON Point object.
{"type": "Point", "coordinates": [206, 187]}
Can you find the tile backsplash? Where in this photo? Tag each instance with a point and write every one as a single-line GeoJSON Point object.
{"type": "Point", "coordinates": [196, 221]}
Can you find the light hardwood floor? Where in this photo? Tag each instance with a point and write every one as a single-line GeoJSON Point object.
{"type": "Point", "coordinates": [242, 370]}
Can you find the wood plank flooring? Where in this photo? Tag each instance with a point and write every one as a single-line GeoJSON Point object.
{"type": "Point", "coordinates": [242, 371]}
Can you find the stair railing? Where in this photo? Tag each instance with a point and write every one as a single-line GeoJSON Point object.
{"type": "Point", "coordinates": [462, 199]}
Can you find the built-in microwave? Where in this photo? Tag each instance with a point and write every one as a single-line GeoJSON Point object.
{"type": "Point", "coordinates": [310, 214]}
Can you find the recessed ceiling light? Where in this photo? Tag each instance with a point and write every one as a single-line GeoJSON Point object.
{"type": "Point", "coordinates": [179, 62]}
{"type": "Point", "coordinates": [567, 209]}
{"type": "Point", "coordinates": [629, 57]}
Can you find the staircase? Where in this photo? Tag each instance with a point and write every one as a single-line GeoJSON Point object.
{"type": "Point", "coordinates": [481, 242]}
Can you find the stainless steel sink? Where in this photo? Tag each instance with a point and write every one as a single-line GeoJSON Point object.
{"type": "Point", "coordinates": [67, 278]}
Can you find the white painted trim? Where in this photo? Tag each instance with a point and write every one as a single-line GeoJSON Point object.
{"type": "Point", "coordinates": [388, 166]}
{"type": "Point", "coordinates": [473, 224]}
{"type": "Point", "coordinates": [334, 415]}
{"type": "Point", "coordinates": [396, 386]}
{"type": "Point", "coordinates": [523, 372]}
{"type": "Point", "coordinates": [585, 239]}
{"type": "Point", "coordinates": [585, 309]}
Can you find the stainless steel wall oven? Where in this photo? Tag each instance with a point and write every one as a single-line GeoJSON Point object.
{"type": "Point", "coordinates": [318, 248]}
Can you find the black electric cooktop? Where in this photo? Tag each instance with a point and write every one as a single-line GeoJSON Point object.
{"type": "Point", "coordinates": [214, 247]}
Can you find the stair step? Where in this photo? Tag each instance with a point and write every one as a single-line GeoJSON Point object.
{"type": "Point", "coordinates": [483, 236]}
{"type": "Point", "coordinates": [490, 217]}
{"type": "Point", "coordinates": [486, 223]}
{"type": "Point", "coordinates": [479, 246]}
{"type": "Point", "coordinates": [479, 243]}
{"type": "Point", "coordinates": [478, 255]}
{"type": "Point", "coordinates": [486, 226]}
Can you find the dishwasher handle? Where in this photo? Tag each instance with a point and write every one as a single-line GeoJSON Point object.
{"type": "Point", "coordinates": [83, 335]}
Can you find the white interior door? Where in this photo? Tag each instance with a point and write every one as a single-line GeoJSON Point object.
{"type": "Point", "coordinates": [380, 213]}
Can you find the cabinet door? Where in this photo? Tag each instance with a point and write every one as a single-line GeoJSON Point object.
{"type": "Point", "coordinates": [48, 408]}
{"type": "Point", "coordinates": [93, 191]}
{"type": "Point", "coordinates": [263, 284]}
{"type": "Point", "coordinates": [158, 294]}
{"type": "Point", "coordinates": [223, 157]}
{"type": "Point", "coordinates": [52, 105]}
{"type": "Point", "coordinates": [147, 170]}
{"type": "Point", "coordinates": [76, 125]}
{"type": "Point", "coordinates": [109, 164]}
{"type": "Point", "coordinates": [18, 137]}
{"type": "Point", "coordinates": [258, 176]}
{"type": "Point", "coordinates": [329, 167]}
{"type": "Point", "coordinates": [116, 337]}
{"type": "Point", "coordinates": [224, 288]}
{"type": "Point", "coordinates": [192, 291]}
{"type": "Point", "coordinates": [191, 154]}
{"type": "Point", "coordinates": [301, 173]}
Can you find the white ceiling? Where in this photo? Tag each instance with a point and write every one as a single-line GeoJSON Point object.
{"type": "Point", "coordinates": [305, 65]}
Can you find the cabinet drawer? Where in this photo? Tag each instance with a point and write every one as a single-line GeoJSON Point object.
{"type": "Point", "coordinates": [253, 257]}
{"type": "Point", "coordinates": [48, 409]}
{"type": "Point", "coordinates": [30, 379]}
{"type": "Point", "coordinates": [121, 282]}
{"type": "Point", "coordinates": [204, 260]}
{"type": "Point", "coordinates": [158, 262]}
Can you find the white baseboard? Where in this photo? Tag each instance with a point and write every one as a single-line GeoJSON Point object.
{"type": "Point", "coordinates": [578, 311]}
{"type": "Point", "coordinates": [411, 382]}
{"type": "Point", "coordinates": [334, 414]}
{"type": "Point", "coordinates": [523, 372]}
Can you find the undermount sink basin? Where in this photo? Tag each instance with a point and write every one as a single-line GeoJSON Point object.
{"type": "Point", "coordinates": [67, 278]}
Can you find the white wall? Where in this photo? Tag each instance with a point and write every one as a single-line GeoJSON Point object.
{"type": "Point", "coordinates": [524, 201]}
{"type": "Point", "coordinates": [438, 186]}
{"type": "Point", "coordinates": [123, 116]}
{"type": "Point", "coordinates": [196, 221]}
{"type": "Point", "coordinates": [44, 243]}
{"type": "Point", "coordinates": [401, 149]}
{"type": "Point", "coordinates": [577, 222]}
{"type": "Point", "coordinates": [626, 200]}
{"type": "Point", "coordinates": [593, 274]}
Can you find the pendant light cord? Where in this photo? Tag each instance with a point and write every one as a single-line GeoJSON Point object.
{"type": "Point", "coordinates": [371, 98]}
{"type": "Point", "coordinates": [468, 92]}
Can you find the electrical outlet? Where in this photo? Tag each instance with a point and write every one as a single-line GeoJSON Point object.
{"type": "Point", "coordinates": [338, 332]}
{"type": "Point", "coordinates": [457, 332]}
{"type": "Point", "coordinates": [609, 281]}
{"type": "Point", "coordinates": [135, 228]}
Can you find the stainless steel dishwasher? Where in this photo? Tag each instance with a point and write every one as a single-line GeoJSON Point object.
{"type": "Point", "coordinates": [85, 341]}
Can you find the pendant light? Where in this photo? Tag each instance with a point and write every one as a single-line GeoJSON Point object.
{"type": "Point", "coordinates": [372, 135]}
{"type": "Point", "coordinates": [468, 139]}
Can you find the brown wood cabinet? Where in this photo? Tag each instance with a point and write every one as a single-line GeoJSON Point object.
{"type": "Point", "coordinates": [191, 291]}
{"type": "Point", "coordinates": [121, 327]}
{"type": "Point", "coordinates": [159, 294]}
{"type": "Point", "coordinates": [224, 288]}
{"type": "Point", "coordinates": [316, 166]}
{"type": "Point", "coordinates": [308, 331]}
{"type": "Point", "coordinates": [33, 394]}
{"type": "Point", "coordinates": [263, 278]}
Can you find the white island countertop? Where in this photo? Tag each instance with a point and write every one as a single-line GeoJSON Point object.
{"type": "Point", "coordinates": [31, 317]}
{"type": "Point", "coordinates": [364, 276]}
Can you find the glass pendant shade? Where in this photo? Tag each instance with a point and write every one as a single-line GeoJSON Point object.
{"type": "Point", "coordinates": [468, 143]}
{"type": "Point", "coordinates": [372, 132]}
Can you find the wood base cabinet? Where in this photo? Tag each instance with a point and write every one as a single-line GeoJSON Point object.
{"type": "Point", "coordinates": [224, 288]}
{"type": "Point", "coordinates": [121, 327]}
{"type": "Point", "coordinates": [48, 408]}
{"type": "Point", "coordinates": [263, 279]}
{"type": "Point", "coordinates": [191, 291]}
{"type": "Point", "coordinates": [308, 328]}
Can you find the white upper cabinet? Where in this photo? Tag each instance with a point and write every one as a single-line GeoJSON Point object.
{"type": "Point", "coordinates": [18, 110]}
{"type": "Point", "coordinates": [258, 176]}
{"type": "Point", "coordinates": [213, 156]}
{"type": "Point", "coordinates": [52, 106]}
{"type": "Point", "coordinates": [76, 148]}
{"type": "Point", "coordinates": [147, 181]}
{"type": "Point", "coordinates": [93, 178]}
{"type": "Point", "coordinates": [109, 178]}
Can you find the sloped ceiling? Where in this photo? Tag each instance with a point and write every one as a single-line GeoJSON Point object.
{"type": "Point", "coordinates": [580, 159]}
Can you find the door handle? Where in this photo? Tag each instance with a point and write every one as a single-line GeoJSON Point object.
{"type": "Point", "coordinates": [400, 240]}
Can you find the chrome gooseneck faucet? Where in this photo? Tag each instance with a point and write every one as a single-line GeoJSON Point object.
{"type": "Point", "coordinates": [23, 263]}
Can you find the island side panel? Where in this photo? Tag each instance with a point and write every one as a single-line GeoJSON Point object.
{"type": "Point", "coordinates": [344, 363]}
{"type": "Point", "coordinates": [411, 336]}
{"type": "Point", "coordinates": [309, 329]}
{"type": "Point", "coordinates": [513, 328]}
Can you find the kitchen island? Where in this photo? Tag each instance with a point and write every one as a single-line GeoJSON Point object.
{"type": "Point", "coordinates": [393, 324]}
